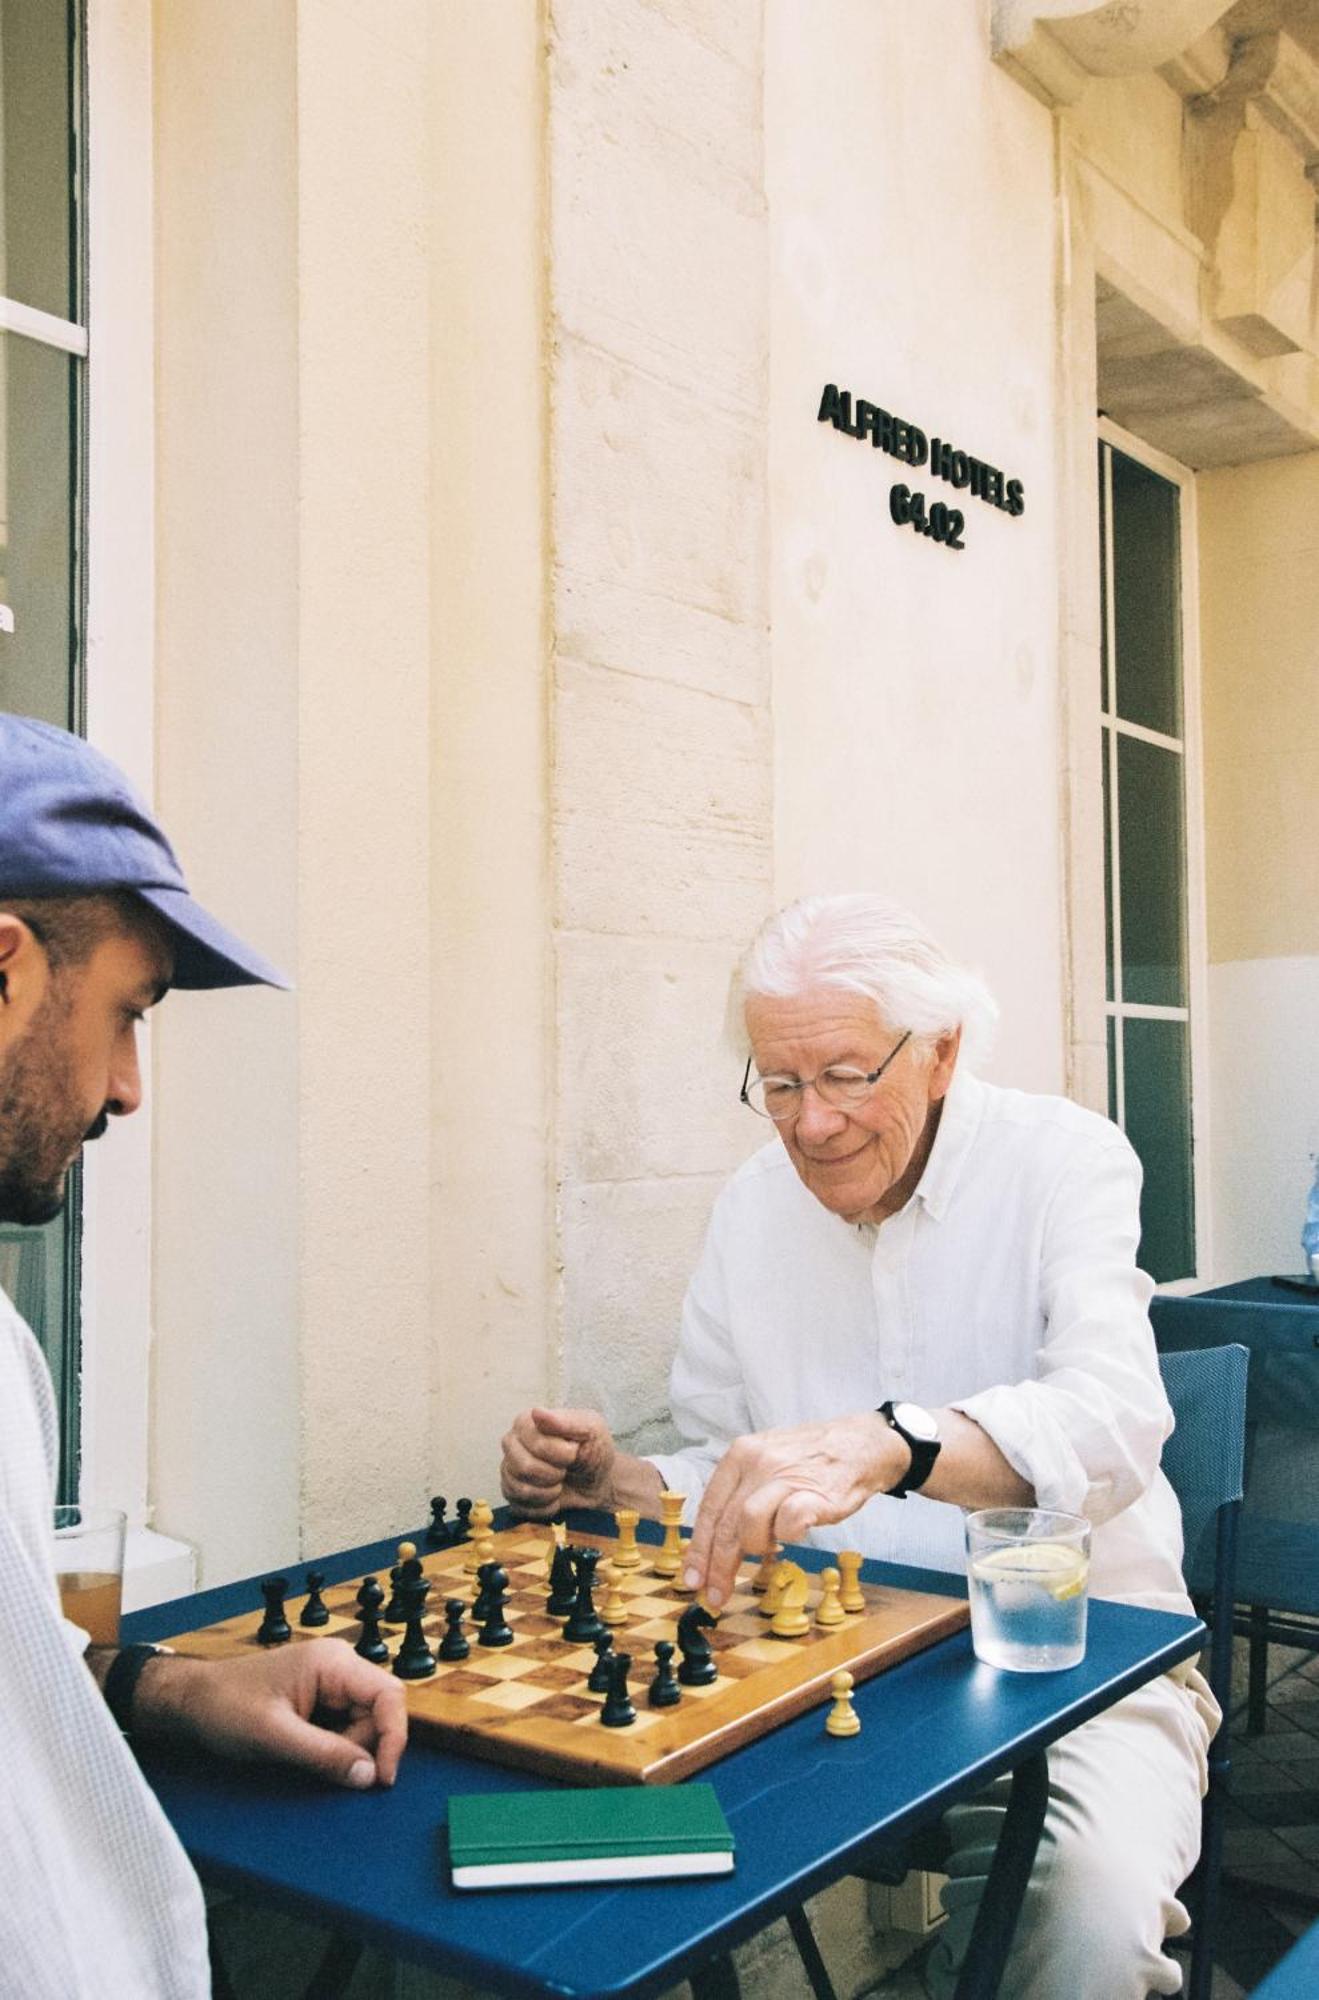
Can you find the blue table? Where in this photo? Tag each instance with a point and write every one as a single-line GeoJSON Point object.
{"type": "Point", "coordinates": [1278, 1538]}
{"type": "Point", "coordinates": [1295, 1977]}
{"type": "Point", "coordinates": [804, 1808]}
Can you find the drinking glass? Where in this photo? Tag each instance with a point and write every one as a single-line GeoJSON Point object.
{"type": "Point", "coordinates": [89, 1569]}
{"type": "Point", "coordinates": [1028, 1573]}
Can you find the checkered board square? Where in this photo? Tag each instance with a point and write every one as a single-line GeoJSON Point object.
{"type": "Point", "coordinates": [528, 1704]}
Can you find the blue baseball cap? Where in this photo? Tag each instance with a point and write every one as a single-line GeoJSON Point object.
{"type": "Point", "coordinates": [71, 825]}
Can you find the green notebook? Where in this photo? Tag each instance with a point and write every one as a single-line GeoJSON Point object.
{"type": "Point", "coordinates": [607, 1833]}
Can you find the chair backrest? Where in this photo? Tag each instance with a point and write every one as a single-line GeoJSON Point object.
{"type": "Point", "coordinates": [1204, 1457]}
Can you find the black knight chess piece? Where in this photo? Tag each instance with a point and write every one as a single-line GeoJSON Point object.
{"type": "Point", "coordinates": [618, 1710]}
{"type": "Point", "coordinates": [371, 1644]}
{"type": "Point", "coordinates": [698, 1669]}
{"type": "Point", "coordinates": [315, 1611]}
{"type": "Point", "coordinates": [664, 1690]}
{"type": "Point", "coordinates": [274, 1628]}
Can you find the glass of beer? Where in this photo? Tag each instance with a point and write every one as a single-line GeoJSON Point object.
{"type": "Point", "coordinates": [89, 1568]}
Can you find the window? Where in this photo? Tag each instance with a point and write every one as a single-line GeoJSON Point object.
{"type": "Point", "coordinates": [43, 348]}
{"type": "Point", "coordinates": [1152, 929]}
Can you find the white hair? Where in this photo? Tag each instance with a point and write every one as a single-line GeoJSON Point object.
{"type": "Point", "coordinates": [866, 944]}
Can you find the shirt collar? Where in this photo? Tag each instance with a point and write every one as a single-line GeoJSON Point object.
{"type": "Point", "coordinates": [963, 1108]}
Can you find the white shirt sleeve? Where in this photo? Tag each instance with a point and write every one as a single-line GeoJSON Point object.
{"type": "Point", "coordinates": [1088, 1431]}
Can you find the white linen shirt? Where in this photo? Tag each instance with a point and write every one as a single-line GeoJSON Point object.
{"type": "Point", "coordinates": [1007, 1288]}
{"type": "Point", "coordinates": [98, 1900]}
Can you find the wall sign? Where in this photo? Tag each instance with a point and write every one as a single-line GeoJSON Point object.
{"type": "Point", "coordinates": [904, 440]}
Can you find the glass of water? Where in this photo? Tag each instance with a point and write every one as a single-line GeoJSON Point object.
{"type": "Point", "coordinates": [1028, 1573]}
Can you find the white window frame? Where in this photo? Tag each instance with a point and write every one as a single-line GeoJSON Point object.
{"type": "Point", "coordinates": [1191, 745]}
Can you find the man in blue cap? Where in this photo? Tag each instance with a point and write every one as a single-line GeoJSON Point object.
{"type": "Point", "coordinates": [96, 923]}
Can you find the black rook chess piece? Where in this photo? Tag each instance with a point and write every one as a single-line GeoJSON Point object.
{"type": "Point", "coordinates": [454, 1646]}
{"type": "Point", "coordinates": [314, 1611]}
{"type": "Point", "coordinates": [370, 1644]}
{"type": "Point", "coordinates": [618, 1710]}
{"type": "Point", "coordinates": [664, 1690]}
{"type": "Point", "coordinates": [274, 1628]}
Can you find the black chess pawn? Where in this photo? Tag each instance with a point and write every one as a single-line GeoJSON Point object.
{"type": "Point", "coordinates": [563, 1584]}
{"type": "Point", "coordinates": [414, 1660]}
{"type": "Point", "coordinates": [496, 1630]}
{"type": "Point", "coordinates": [664, 1689]}
{"type": "Point", "coordinates": [371, 1644]}
{"type": "Point", "coordinates": [698, 1669]}
{"type": "Point", "coordinates": [462, 1526]}
{"type": "Point", "coordinates": [393, 1613]}
{"type": "Point", "coordinates": [274, 1628]}
{"type": "Point", "coordinates": [437, 1534]}
{"type": "Point", "coordinates": [406, 1570]}
{"type": "Point", "coordinates": [315, 1611]}
{"type": "Point", "coordinates": [618, 1710]}
{"type": "Point", "coordinates": [481, 1602]}
{"type": "Point", "coordinates": [584, 1621]}
{"type": "Point", "coordinates": [598, 1678]}
{"type": "Point", "coordinates": [454, 1645]}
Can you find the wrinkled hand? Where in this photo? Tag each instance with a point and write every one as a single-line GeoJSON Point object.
{"type": "Point", "coordinates": [555, 1459]}
{"type": "Point", "coordinates": [314, 1704]}
{"type": "Point", "coordinates": [775, 1485]}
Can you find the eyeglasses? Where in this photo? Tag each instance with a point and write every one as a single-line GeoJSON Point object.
{"type": "Point", "coordinates": [844, 1089]}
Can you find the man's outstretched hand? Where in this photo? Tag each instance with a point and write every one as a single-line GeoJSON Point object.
{"type": "Point", "coordinates": [314, 1704]}
{"type": "Point", "coordinates": [554, 1459]}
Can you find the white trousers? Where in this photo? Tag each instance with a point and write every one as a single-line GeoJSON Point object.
{"type": "Point", "coordinates": [1121, 1834]}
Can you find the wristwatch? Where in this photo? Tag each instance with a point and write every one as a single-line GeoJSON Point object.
{"type": "Point", "coordinates": [120, 1683]}
{"type": "Point", "coordinates": [919, 1431]}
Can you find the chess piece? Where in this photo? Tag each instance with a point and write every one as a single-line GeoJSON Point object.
{"type": "Point", "coordinates": [790, 1620]}
{"type": "Point", "coordinates": [461, 1526]}
{"type": "Point", "coordinates": [563, 1584]}
{"type": "Point", "coordinates": [482, 1516]}
{"type": "Point", "coordinates": [315, 1611]}
{"type": "Point", "coordinates": [664, 1689]}
{"type": "Point", "coordinates": [618, 1711]}
{"type": "Point", "coordinates": [598, 1678]}
{"type": "Point", "coordinates": [584, 1621]}
{"type": "Point", "coordinates": [773, 1592]}
{"type": "Point", "coordinates": [437, 1534]}
{"type": "Point", "coordinates": [698, 1669]}
{"type": "Point", "coordinates": [627, 1555]}
{"type": "Point", "coordinates": [558, 1539]}
{"type": "Point", "coordinates": [668, 1562]}
{"type": "Point", "coordinates": [851, 1596]}
{"type": "Point", "coordinates": [406, 1567]}
{"type": "Point", "coordinates": [371, 1644]}
{"type": "Point", "coordinates": [274, 1628]}
{"type": "Point", "coordinates": [481, 1602]}
{"type": "Point", "coordinates": [454, 1646]}
{"type": "Point", "coordinates": [829, 1611]}
{"type": "Point", "coordinates": [842, 1719]}
{"type": "Point", "coordinates": [496, 1630]}
{"type": "Point", "coordinates": [769, 1562]}
{"type": "Point", "coordinates": [414, 1660]}
{"type": "Point", "coordinates": [613, 1610]}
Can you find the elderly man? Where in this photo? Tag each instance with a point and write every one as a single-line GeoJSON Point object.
{"type": "Point", "coordinates": [921, 1297]}
{"type": "Point", "coordinates": [99, 1898]}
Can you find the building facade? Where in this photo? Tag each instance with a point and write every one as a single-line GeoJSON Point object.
{"type": "Point", "coordinates": [563, 478]}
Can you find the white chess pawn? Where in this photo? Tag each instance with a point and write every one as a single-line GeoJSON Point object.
{"type": "Point", "coordinates": [829, 1610]}
{"type": "Point", "coordinates": [842, 1719]}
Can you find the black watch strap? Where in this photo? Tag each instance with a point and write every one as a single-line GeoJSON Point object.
{"type": "Point", "coordinates": [120, 1684]}
{"type": "Point", "coordinates": [924, 1452]}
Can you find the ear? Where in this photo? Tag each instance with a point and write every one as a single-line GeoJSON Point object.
{"type": "Point", "coordinates": [944, 1063]}
{"type": "Point", "coordinates": [24, 974]}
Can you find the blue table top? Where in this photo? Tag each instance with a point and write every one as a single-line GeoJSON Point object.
{"type": "Point", "coordinates": [1295, 1977]}
{"type": "Point", "coordinates": [801, 1804]}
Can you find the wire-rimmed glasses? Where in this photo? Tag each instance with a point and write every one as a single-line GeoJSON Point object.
{"type": "Point", "coordinates": [841, 1087]}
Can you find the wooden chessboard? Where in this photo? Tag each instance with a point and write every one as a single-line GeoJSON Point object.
{"type": "Point", "coordinates": [528, 1704]}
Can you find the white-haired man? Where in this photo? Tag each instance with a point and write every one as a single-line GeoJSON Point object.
{"type": "Point", "coordinates": [928, 1283]}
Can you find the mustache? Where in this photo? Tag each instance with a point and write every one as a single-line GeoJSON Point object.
{"type": "Point", "coordinates": [97, 1127]}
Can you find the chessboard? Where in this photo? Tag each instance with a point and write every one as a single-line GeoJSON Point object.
{"type": "Point", "coordinates": [527, 1704]}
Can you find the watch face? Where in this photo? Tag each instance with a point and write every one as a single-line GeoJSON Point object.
{"type": "Point", "coordinates": [916, 1420]}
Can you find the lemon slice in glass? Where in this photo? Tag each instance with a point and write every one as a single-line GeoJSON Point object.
{"type": "Point", "coordinates": [1059, 1570]}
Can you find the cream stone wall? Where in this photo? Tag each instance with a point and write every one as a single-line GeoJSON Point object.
{"type": "Point", "coordinates": [916, 712]}
{"type": "Point", "coordinates": [1259, 527]}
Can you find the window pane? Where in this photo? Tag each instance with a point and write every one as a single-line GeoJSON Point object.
{"type": "Point", "coordinates": [37, 524]}
{"type": "Point", "coordinates": [37, 77]}
{"type": "Point", "coordinates": [1156, 1068]}
{"type": "Point", "coordinates": [1104, 749]}
{"type": "Point", "coordinates": [1151, 874]}
{"type": "Point", "coordinates": [1147, 589]}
